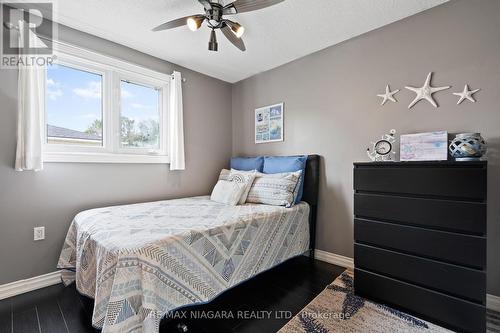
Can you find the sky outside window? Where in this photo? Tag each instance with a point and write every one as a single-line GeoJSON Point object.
{"type": "Point", "coordinates": [74, 104]}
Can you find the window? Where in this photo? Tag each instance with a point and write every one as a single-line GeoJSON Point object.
{"type": "Point", "coordinates": [140, 116]}
{"type": "Point", "coordinates": [100, 109]}
{"type": "Point", "coordinates": [73, 107]}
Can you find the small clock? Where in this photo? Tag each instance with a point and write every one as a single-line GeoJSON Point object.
{"type": "Point", "coordinates": [383, 149]}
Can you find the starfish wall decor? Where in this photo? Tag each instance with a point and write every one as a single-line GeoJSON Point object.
{"type": "Point", "coordinates": [389, 95]}
{"type": "Point", "coordinates": [425, 92]}
{"type": "Point", "coordinates": [466, 94]}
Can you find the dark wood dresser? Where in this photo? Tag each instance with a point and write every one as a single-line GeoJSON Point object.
{"type": "Point", "coordinates": [420, 239]}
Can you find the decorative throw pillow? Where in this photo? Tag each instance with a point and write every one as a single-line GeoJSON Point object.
{"type": "Point", "coordinates": [278, 189]}
{"type": "Point", "coordinates": [224, 174]}
{"type": "Point", "coordinates": [227, 192]}
{"type": "Point", "coordinates": [279, 164]}
{"type": "Point", "coordinates": [244, 177]}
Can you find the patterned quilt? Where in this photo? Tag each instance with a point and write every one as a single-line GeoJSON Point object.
{"type": "Point", "coordinates": [138, 262]}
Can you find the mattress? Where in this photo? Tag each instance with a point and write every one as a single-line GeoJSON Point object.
{"type": "Point", "coordinates": [138, 262]}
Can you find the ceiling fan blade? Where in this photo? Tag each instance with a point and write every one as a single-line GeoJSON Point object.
{"type": "Point", "coordinates": [206, 4]}
{"type": "Point", "coordinates": [242, 6]}
{"type": "Point", "coordinates": [238, 42]}
{"type": "Point", "coordinates": [173, 24]}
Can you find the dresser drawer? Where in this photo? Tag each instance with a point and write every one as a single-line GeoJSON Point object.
{"type": "Point", "coordinates": [459, 182]}
{"type": "Point", "coordinates": [450, 247]}
{"type": "Point", "coordinates": [447, 310]}
{"type": "Point", "coordinates": [451, 279]}
{"type": "Point", "coordinates": [458, 216]}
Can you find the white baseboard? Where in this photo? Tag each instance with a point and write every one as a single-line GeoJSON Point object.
{"type": "Point", "coordinates": [335, 259]}
{"type": "Point", "coordinates": [27, 285]}
{"type": "Point", "coordinates": [492, 301]}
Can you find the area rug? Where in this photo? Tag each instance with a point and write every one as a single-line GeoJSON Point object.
{"type": "Point", "coordinates": [338, 309]}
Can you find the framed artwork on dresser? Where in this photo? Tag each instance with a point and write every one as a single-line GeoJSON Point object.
{"type": "Point", "coordinates": [431, 146]}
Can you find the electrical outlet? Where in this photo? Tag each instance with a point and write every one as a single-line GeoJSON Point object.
{"type": "Point", "coordinates": [38, 233]}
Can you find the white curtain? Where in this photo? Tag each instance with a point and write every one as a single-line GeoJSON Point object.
{"type": "Point", "coordinates": [30, 111]}
{"type": "Point", "coordinates": [176, 124]}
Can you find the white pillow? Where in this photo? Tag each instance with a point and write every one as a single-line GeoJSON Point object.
{"type": "Point", "coordinates": [227, 192]}
{"type": "Point", "coordinates": [239, 176]}
{"type": "Point", "coordinates": [277, 189]}
{"type": "Point", "coordinates": [244, 177]}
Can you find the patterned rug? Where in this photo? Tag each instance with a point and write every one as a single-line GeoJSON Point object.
{"type": "Point", "coordinates": [337, 309]}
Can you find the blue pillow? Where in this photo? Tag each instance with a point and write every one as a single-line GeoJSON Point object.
{"type": "Point", "coordinates": [278, 164]}
{"type": "Point", "coordinates": [248, 163]}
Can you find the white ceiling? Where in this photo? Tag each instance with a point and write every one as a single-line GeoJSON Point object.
{"type": "Point", "coordinates": [273, 36]}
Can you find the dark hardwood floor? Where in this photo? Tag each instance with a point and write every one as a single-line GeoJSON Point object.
{"type": "Point", "coordinates": [263, 304]}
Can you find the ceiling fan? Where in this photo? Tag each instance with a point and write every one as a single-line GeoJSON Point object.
{"type": "Point", "coordinates": [214, 15]}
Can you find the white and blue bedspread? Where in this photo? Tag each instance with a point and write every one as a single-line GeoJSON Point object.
{"type": "Point", "coordinates": [138, 262]}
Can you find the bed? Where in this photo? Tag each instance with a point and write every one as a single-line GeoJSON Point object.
{"type": "Point", "coordinates": [139, 262]}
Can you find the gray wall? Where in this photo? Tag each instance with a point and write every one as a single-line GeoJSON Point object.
{"type": "Point", "coordinates": [331, 108]}
{"type": "Point", "coordinates": [52, 197]}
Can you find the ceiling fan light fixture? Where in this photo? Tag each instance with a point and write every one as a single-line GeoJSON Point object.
{"type": "Point", "coordinates": [212, 44]}
{"type": "Point", "coordinates": [237, 28]}
{"type": "Point", "coordinates": [194, 22]}
{"type": "Point", "coordinates": [239, 31]}
{"type": "Point", "coordinates": [215, 10]}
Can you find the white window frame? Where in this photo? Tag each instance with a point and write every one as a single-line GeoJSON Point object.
{"type": "Point", "coordinates": [113, 71]}
{"type": "Point", "coordinates": [162, 104]}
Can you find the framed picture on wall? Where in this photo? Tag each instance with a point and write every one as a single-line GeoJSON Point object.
{"type": "Point", "coordinates": [269, 123]}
